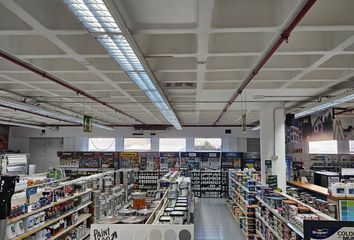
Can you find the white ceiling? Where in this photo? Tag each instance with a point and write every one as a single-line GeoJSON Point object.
{"type": "Point", "coordinates": [212, 44]}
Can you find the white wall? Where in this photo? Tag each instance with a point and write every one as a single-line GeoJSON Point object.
{"type": "Point", "coordinates": [76, 140]}
{"type": "Point", "coordinates": [43, 152]}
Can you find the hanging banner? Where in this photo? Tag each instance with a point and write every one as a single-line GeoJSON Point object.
{"type": "Point", "coordinates": [87, 124]}
{"type": "Point", "coordinates": [328, 230]}
{"type": "Point", "coordinates": [141, 231]}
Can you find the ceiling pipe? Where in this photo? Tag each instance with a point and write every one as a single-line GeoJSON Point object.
{"type": "Point", "coordinates": [127, 125]}
{"type": "Point", "coordinates": [38, 114]}
{"type": "Point", "coordinates": [284, 36]}
{"type": "Point", "coordinates": [61, 82]}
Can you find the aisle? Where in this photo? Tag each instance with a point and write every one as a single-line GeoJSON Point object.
{"type": "Point", "coordinates": [213, 221]}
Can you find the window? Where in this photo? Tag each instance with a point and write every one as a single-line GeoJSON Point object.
{"type": "Point", "coordinates": [351, 146]}
{"type": "Point", "coordinates": [137, 144]}
{"type": "Point", "coordinates": [172, 144]}
{"type": "Point", "coordinates": [323, 147]}
{"type": "Point", "coordinates": [102, 144]}
{"type": "Point", "coordinates": [207, 144]}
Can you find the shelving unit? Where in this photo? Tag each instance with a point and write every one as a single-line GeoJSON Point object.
{"type": "Point", "coordinates": [275, 234]}
{"type": "Point", "coordinates": [42, 184]}
{"type": "Point", "coordinates": [29, 233]}
{"type": "Point", "coordinates": [284, 220]}
{"type": "Point", "coordinates": [12, 220]}
{"type": "Point", "coordinates": [283, 228]}
{"type": "Point", "coordinates": [82, 218]}
{"type": "Point", "coordinates": [148, 180]}
{"type": "Point", "coordinates": [210, 184]}
{"type": "Point", "coordinates": [245, 212]}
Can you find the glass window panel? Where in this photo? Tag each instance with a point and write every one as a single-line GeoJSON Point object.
{"type": "Point", "coordinates": [101, 144]}
{"type": "Point", "coordinates": [207, 144]}
{"type": "Point", "coordinates": [137, 144]}
{"type": "Point", "coordinates": [172, 144]}
{"type": "Point", "coordinates": [323, 147]}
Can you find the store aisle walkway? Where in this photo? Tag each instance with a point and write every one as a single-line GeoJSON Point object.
{"type": "Point", "coordinates": [213, 221]}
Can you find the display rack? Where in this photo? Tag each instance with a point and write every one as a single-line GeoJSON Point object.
{"type": "Point", "coordinates": [148, 180]}
{"type": "Point", "coordinates": [243, 204]}
{"type": "Point", "coordinates": [14, 164]}
{"type": "Point", "coordinates": [53, 221]}
{"type": "Point", "coordinates": [280, 216]}
{"type": "Point", "coordinates": [210, 184]}
{"type": "Point", "coordinates": [12, 220]}
{"type": "Point", "coordinates": [266, 214]}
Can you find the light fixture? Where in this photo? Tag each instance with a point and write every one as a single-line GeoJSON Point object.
{"type": "Point", "coordinates": [256, 128]}
{"type": "Point", "coordinates": [46, 113]}
{"type": "Point", "coordinates": [11, 123]}
{"type": "Point", "coordinates": [347, 97]}
{"type": "Point", "coordinates": [98, 20]}
{"type": "Point", "coordinates": [43, 133]}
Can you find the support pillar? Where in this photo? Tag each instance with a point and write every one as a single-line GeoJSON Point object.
{"type": "Point", "coordinates": [272, 136]}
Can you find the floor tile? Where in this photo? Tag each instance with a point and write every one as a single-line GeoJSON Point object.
{"type": "Point", "coordinates": [213, 221]}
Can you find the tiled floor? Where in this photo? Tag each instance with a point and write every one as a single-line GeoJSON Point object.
{"type": "Point", "coordinates": [213, 221]}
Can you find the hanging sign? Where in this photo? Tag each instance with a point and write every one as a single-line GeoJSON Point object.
{"type": "Point", "coordinates": [87, 124]}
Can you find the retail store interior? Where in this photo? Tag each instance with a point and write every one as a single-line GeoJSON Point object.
{"type": "Point", "coordinates": [176, 119]}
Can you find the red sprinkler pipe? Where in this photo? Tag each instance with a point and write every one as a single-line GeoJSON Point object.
{"type": "Point", "coordinates": [61, 82]}
{"type": "Point", "coordinates": [284, 36]}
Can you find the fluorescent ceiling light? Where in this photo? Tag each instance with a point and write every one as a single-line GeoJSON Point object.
{"type": "Point", "coordinates": [97, 19]}
{"type": "Point", "coordinates": [21, 124]}
{"type": "Point", "coordinates": [347, 97]}
{"type": "Point", "coordinates": [94, 15]}
{"type": "Point", "coordinates": [47, 113]}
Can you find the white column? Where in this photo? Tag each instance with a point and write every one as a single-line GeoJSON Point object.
{"type": "Point", "coordinates": [190, 144]}
{"type": "Point", "coordinates": [119, 144]}
{"type": "Point", "coordinates": [272, 134]}
{"type": "Point", "coordinates": [155, 144]}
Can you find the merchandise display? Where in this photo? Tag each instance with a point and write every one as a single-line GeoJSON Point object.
{"type": "Point", "coordinates": [176, 120]}
{"type": "Point", "coordinates": [56, 210]}
{"type": "Point", "coordinates": [14, 164]}
{"type": "Point", "coordinates": [242, 192]}
{"type": "Point", "coordinates": [210, 184]}
{"type": "Point", "coordinates": [65, 211]}
{"type": "Point", "coordinates": [265, 213]}
{"type": "Point", "coordinates": [311, 200]}
{"type": "Point", "coordinates": [178, 207]}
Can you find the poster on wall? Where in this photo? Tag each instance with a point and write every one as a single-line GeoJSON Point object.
{"type": "Point", "coordinates": [141, 231]}
{"type": "Point", "coordinates": [314, 127]}
{"type": "Point", "coordinates": [110, 160]}
{"type": "Point", "coordinates": [343, 127]}
{"type": "Point", "coordinates": [328, 230]}
{"type": "Point", "coordinates": [251, 160]}
{"type": "Point", "coordinates": [231, 160]}
{"type": "Point", "coordinates": [68, 159]}
{"type": "Point", "coordinates": [129, 160]}
{"type": "Point", "coordinates": [172, 160]}
{"type": "Point", "coordinates": [210, 160]}
{"type": "Point", "coordinates": [190, 160]}
{"type": "Point", "coordinates": [90, 160]}
{"type": "Point", "coordinates": [150, 161]}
